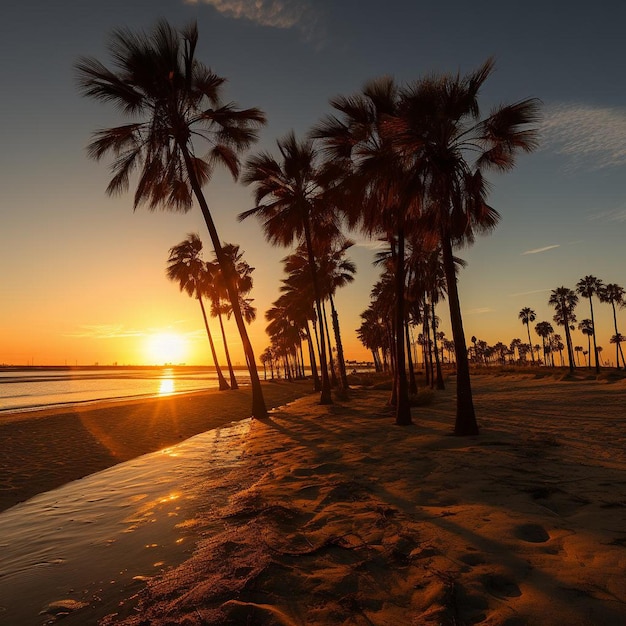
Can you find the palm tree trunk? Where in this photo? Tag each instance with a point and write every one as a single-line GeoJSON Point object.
{"type": "Point", "coordinates": [325, 395]}
{"type": "Point", "coordinates": [440, 384]}
{"type": "Point", "coordinates": [617, 343]}
{"type": "Point", "coordinates": [465, 423]}
{"type": "Point", "coordinates": [412, 379]}
{"type": "Point", "coordinates": [530, 343]}
{"type": "Point", "coordinates": [403, 405]}
{"type": "Point", "coordinates": [340, 358]}
{"type": "Point", "coordinates": [593, 328]}
{"type": "Point", "coordinates": [233, 380]}
{"type": "Point", "coordinates": [317, 385]}
{"type": "Point", "coordinates": [220, 377]}
{"type": "Point", "coordinates": [333, 371]}
{"type": "Point", "coordinates": [259, 409]}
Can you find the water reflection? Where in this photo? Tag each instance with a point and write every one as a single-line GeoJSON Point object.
{"type": "Point", "coordinates": [167, 383]}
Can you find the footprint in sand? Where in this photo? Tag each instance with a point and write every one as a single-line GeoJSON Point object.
{"type": "Point", "coordinates": [533, 533]}
{"type": "Point", "coordinates": [501, 586]}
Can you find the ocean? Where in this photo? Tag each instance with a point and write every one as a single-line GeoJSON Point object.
{"type": "Point", "coordinates": [32, 388]}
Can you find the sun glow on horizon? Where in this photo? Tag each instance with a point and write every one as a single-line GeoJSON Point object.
{"type": "Point", "coordinates": [166, 348]}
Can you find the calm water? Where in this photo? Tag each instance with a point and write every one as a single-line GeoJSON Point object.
{"type": "Point", "coordinates": [35, 388]}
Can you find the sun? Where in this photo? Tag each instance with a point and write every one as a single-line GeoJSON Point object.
{"type": "Point", "coordinates": [166, 348]}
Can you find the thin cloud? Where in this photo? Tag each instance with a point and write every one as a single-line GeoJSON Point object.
{"type": "Point", "coordinates": [544, 249]}
{"type": "Point", "coordinates": [617, 215]}
{"type": "Point", "coordinates": [479, 311]}
{"type": "Point", "coordinates": [590, 137]}
{"type": "Point", "coordinates": [372, 244]}
{"type": "Point", "coordinates": [527, 293]}
{"type": "Point", "coordinates": [105, 331]}
{"type": "Point", "coordinates": [273, 13]}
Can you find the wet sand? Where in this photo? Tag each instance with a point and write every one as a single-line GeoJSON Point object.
{"type": "Point", "coordinates": [41, 450]}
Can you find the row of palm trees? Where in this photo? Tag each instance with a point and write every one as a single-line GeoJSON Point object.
{"type": "Point", "coordinates": [564, 301]}
{"type": "Point", "coordinates": [206, 279]}
{"type": "Point", "coordinates": [402, 163]}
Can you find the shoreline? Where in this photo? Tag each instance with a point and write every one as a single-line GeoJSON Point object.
{"type": "Point", "coordinates": [44, 449]}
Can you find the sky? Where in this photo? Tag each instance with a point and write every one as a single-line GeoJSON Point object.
{"type": "Point", "coordinates": [83, 275]}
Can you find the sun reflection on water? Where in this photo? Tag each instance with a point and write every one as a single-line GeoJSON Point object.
{"type": "Point", "coordinates": [167, 385]}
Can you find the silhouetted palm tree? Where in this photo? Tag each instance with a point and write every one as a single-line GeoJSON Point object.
{"type": "Point", "coordinates": [173, 100]}
{"type": "Point", "coordinates": [544, 330]}
{"type": "Point", "coordinates": [564, 301]}
{"type": "Point", "coordinates": [185, 266]}
{"type": "Point", "coordinates": [588, 287]}
{"type": "Point", "coordinates": [527, 315]}
{"type": "Point", "coordinates": [292, 191]}
{"type": "Point", "coordinates": [586, 328]}
{"type": "Point", "coordinates": [614, 294]}
{"type": "Point", "coordinates": [440, 132]}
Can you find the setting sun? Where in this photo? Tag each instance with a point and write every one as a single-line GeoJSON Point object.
{"type": "Point", "coordinates": [165, 348]}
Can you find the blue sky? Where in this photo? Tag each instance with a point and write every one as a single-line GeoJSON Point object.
{"type": "Point", "coordinates": [83, 276]}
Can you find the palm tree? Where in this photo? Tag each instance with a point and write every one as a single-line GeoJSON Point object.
{"type": "Point", "coordinates": [439, 131]}
{"type": "Point", "coordinates": [586, 328]}
{"type": "Point", "coordinates": [614, 294]}
{"type": "Point", "coordinates": [527, 315]}
{"type": "Point", "coordinates": [173, 101]}
{"type": "Point", "coordinates": [186, 267]}
{"type": "Point", "coordinates": [564, 301]}
{"type": "Point", "coordinates": [544, 330]}
{"type": "Point", "coordinates": [578, 350]}
{"type": "Point", "coordinates": [588, 287]}
{"type": "Point", "coordinates": [293, 210]}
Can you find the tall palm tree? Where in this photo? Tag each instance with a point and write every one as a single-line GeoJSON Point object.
{"type": "Point", "coordinates": [186, 267]}
{"type": "Point", "coordinates": [174, 103]}
{"type": "Point", "coordinates": [544, 330]}
{"type": "Point", "coordinates": [527, 315]}
{"type": "Point", "coordinates": [290, 204]}
{"type": "Point", "coordinates": [375, 199]}
{"type": "Point", "coordinates": [614, 294]}
{"type": "Point", "coordinates": [586, 328]}
{"type": "Point", "coordinates": [564, 301]}
{"type": "Point", "coordinates": [588, 287]}
{"type": "Point", "coordinates": [439, 131]}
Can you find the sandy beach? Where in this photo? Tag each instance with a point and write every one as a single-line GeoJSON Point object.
{"type": "Point", "coordinates": [333, 515]}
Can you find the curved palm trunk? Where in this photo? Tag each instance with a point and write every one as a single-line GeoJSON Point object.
{"type": "Point", "coordinates": [325, 395]}
{"type": "Point", "coordinates": [220, 377]}
{"type": "Point", "coordinates": [403, 405]}
{"type": "Point", "coordinates": [465, 423]}
{"type": "Point", "coordinates": [340, 358]}
{"type": "Point", "coordinates": [259, 409]}
{"type": "Point", "coordinates": [233, 380]}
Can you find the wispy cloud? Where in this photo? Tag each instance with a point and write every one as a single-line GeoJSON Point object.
{"type": "Point", "coordinates": [591, 137]}
{"type": "Point", "coordinates": [616, 215]}
{"type": "Point", "coordinates": [105, 331]}
{"type": "Point", "coordinates": [544, 249]}
{"type": "Point", "coordinates": [371, 244]}
{"type": "Point", "coordinates": [528, 293]}
{"type": "Point", "coordinates": [479, 311]}
{"type": "Point", "coordinates": [274, 13]}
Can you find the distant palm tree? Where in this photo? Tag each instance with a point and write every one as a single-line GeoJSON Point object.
{"type": "Point", "coordinates": [586, 328]}
{"type": "Point", "coordinates": [564, 301]}
{"type": "Point", "coordinates": [186, 267]}
{"type": "Point", "coordinates": [588, 287]}
{"type": "Point", "coordinates": [174, 101]}
{"type": "Point", "coordinates": [578, 350]}
{"type": "Point", "coordinates": [544, 330]}
{"type": "Point", "coordinates": [614, 294]}
{"type": "Point", "coordinates": [527, 315]}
